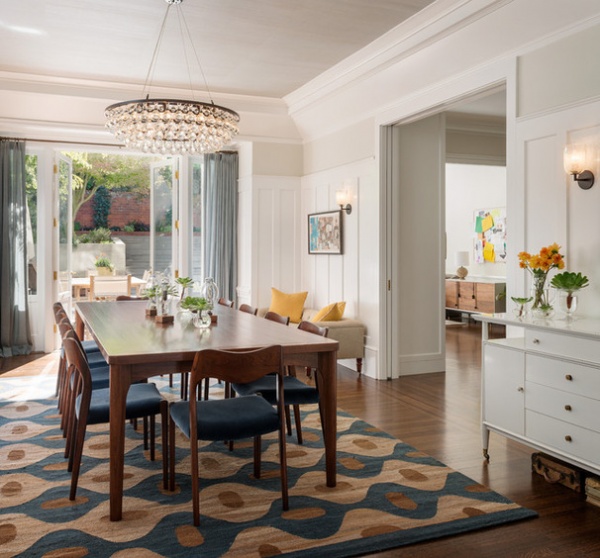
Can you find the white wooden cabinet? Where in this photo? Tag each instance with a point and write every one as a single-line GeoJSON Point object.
{"type": "Point", "coordinates": [542, 387]}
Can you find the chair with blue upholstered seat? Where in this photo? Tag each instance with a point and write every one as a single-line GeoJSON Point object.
{"type": "Point", "coordinates": [92, 406]}
{"type": "Point", "coordinates": [230, 419]}
{"type": "Point", "coordinates": [296, 391]}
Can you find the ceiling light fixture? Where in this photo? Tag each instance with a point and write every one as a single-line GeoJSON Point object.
{"type": "Point", "coordinates": [172, 126]}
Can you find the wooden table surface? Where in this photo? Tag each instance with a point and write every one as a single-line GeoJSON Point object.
{"type": "Point", "coordinates": [136, 347]}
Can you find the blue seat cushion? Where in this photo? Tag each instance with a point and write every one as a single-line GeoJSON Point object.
{"type": "Point", "coordinates": [228, 419]}
{"type": "Point", "coordinates": [100, 377]}
{"type": "Point", "coordinates": [90, 346]}
{"type": "Point", "coordinates": [142, 400]}
{"type": "Point", "coordinates": [296, 392]}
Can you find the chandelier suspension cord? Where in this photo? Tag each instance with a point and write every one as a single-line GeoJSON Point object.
{"type": "Point", "coordinates": [185, 50]}
{"type": "Point", "coordinates": [189, 35]}
{"type": "Point", "coordinates": [150, 74]}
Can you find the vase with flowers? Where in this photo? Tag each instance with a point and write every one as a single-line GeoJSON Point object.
{"type": "Point", "coordinates": [539, 265]}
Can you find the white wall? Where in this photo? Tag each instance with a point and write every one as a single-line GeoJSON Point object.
{"type": "Point", "coordinates": [470, 188]}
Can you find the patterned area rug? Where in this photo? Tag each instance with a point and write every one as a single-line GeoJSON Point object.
{"type": "Point", "coordinates": [388, 493]}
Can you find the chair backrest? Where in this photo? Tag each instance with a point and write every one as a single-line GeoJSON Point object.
{"type": "Point", "coordinates": [240, 367]}
{"type": "Point", "coordinates": [248, 309]}
{"type": "Point", "coordinates": [275, 317]}
{"type": "Point", "coordinates": [108, 288]}
{"type": "Point", "coordinates": [313, 328]}
{"type": "Point", "coordinates": [225, 302]}
{"type": "Point", "coordinates": [77, 365]}
{"type": "Point", "coordinates": [128, 297]}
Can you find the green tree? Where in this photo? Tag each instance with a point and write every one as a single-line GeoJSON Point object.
{"type": "Point", "coordinates": [115, 172]}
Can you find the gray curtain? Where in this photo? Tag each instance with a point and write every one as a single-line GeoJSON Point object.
{"type": "Point", "coordinates": [219, 203]}
{"type": "Point", "coordinates": [14, 317]}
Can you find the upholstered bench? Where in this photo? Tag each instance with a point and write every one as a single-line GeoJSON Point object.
{"type": "Point", "coordinates": [348, 332]}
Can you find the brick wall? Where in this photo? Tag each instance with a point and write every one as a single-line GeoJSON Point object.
{"type": "Point", "coordinates": [124, 208]}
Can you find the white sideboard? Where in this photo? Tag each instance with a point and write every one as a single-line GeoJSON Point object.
{"type": "Point", "coordinates": [542, 387]}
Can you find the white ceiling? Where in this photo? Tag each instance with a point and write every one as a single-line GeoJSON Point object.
{"type": "Point", "coordinates": [262, 48]}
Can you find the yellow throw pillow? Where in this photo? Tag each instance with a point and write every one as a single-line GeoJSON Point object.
{"type": "Point", "coordinates": [330, 313]}
{"type": "Point", "coordinates": [288, 304]}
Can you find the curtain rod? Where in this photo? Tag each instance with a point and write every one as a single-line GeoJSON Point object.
{"type": "Point", "coordinates": [119, 146]}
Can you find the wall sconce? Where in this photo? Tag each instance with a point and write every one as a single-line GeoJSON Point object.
{"type": "Point", "coordinates": [342, 198]}
{"type": "Point", "coordinates": [462, 259]}
{"type": "Point", "coordinates": [575, 160]}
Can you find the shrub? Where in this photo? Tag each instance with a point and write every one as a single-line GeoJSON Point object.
{"type": "Point", "coordinates": [97, 236]}
{"type": "Point", "coordinates": [102, 203]}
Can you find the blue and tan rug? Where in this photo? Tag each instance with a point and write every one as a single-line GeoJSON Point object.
{"type": "Point", "coordinates": [388, 493]}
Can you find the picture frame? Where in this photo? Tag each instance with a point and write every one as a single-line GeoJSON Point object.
{"type": "Point", "coordinates": [325, 233]}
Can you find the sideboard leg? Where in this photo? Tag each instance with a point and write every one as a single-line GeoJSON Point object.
{"type": "Point", "coordinates": [359, 365]}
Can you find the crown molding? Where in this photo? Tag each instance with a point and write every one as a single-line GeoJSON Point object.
{"type": "Point", "coordinates": [440, 19]}
{"type": "Point", "coordinates": [115, 92]}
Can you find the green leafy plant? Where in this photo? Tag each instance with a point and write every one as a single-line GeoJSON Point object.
{"type": "Point", "coordinates": [569, 281]}
{"type": "Point", "coordinates": [103, 261]}
{"type": "Point", "coordinates": [521, 300]}
{"type": "Point", "coordinates": [185, 283]}
{"type": "Point", "coordinates": [97, 236]}
{"type": "Point", "coordinates": [195, 303]}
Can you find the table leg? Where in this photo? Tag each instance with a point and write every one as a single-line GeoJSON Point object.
{"type": "Point", "coordinates": [120, 380]}
{"type": "Point", "coordinates": [327, 371]}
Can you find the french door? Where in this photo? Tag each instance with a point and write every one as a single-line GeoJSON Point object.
{"type": "Point", "coordinates": [63, 231]}
{"type": "Point", "coordinates": [164, 217]}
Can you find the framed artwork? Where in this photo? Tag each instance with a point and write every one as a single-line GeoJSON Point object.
{"type": "Point", "coordinates": [325, 232]}
{"type": "Point", "coordinates": [490, 235]}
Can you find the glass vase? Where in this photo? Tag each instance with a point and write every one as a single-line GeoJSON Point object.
{"type": "Point", "coordinates": [210, 291]}
{"type": "Point", "coordinates": [202, 319]}
{"type": "Point", "coordinates": [541, 293]}
{"type": "Point", "coordinates": [567, 303]}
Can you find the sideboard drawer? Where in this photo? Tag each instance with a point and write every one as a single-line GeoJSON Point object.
{"type": "Point", "coordinates": [567, 407]}
{"type": "Point", "coordinates": [562, 345]}
{"type": "Point", "coordinates": [563, 375]}
{"type": "Point", "coordinates": [564, 437]}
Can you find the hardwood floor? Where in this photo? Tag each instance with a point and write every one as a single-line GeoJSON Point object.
{"type": "Point", "coordinates": [439, 414]}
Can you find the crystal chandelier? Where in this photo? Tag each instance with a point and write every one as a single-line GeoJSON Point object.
{"type": "Point", "coordinates": [172, 126]}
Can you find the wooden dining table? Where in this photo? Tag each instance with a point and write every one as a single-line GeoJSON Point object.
{"type": "Point", "coordinates": [136, 347]}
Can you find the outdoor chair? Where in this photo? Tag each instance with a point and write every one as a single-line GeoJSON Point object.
{"type": "Point", "coordinates": [109, 287]}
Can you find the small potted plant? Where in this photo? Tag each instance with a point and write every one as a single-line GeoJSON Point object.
{"type": "Point", "coordinates": [200, 307]}
{"type": "Point", "coordinates": [521, 305]}
{"type": "Point", "coordinates": [568, 283]}
{"type": "Point", "coordinates": [104, 266]}
{"type": "Point", "coordinates": [185, 283]}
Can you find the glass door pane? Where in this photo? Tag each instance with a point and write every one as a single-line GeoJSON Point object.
{"type": "Point", "coordinates": [64, 235]}
{"type": "Point", "coordinates": [163, 231]}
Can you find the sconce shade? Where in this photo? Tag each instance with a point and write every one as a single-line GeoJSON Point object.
{"type": "Point", "coordinates": [575, 160]}
{"type": "Point", "coordinates": [342, 198]}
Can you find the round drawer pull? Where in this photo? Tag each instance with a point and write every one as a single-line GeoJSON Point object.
{"type": "Point", "coordinates": [536, 341]}
{"type": "Point", "coordinates": [520, 388]}
{"type": "Point", "coordinates": [568, 438]}
{"type": "Point", "coordinates": [569, 378]}
{"type": "Point", "coordinates": [568, 408]}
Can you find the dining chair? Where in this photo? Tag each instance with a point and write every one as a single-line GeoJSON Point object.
{"type": "Point", "coordinates": [275, 317]}
{"type": "Point", "coordinates": [92, 406]}
{"type": "Point", "coordinates": [109, 287]}
{"type": "Point", "coordinates": [230, 419]}
{"type": "Point", "coordinates": [296, 391]}
{"type": "Point", "coordinates": [130, 297]}
{"type": "Point", "coordinates": [89, 347]}
{"type": "Point", "coordinates": [248, 309]}
{"type": "Point", "coordinates": [226, 302]}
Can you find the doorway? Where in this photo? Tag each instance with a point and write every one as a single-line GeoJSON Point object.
{"type": "Point", "coordinates": [414, 341]}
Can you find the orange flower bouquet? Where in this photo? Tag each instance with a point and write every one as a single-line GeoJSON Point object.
{"type": "Point", "coordinates": [539, 265]}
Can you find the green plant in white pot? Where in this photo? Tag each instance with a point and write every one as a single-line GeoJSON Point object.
{"type": "Point", "coordinates": [568, 283]}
